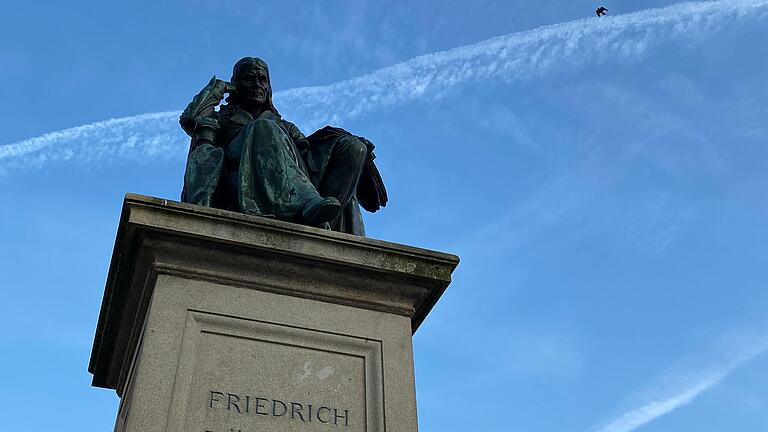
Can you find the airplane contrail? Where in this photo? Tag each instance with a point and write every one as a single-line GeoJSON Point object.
{"type": "Point", "coordinates": [693, 384]}
{"type": "Point", "coordinates": [508, 58]}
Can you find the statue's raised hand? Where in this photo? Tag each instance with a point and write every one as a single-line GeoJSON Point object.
{"type": "Point", "coordinates": [204, 103]}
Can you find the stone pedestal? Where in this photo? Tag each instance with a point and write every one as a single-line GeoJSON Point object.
{"type": "Point", "coordinates": [214, 321]}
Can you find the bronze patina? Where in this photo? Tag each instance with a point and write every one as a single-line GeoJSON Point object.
{"type": "Point", "coordinates": [245, 157]}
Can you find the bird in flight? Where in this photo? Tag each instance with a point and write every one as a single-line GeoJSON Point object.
{"type": "Point", "coordinates": [600, 11]}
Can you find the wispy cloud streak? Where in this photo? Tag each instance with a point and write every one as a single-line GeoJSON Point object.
{"type": "Point", "coordinates": [677, 388]}
{"type": "Point", "coordinates": [518, 56]}
{"type": "Point", "coordinates": [135, 137]}
{"type": "Point", "coordinates": [508, 58]}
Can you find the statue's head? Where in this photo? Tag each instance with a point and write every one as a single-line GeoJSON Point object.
{"type": "Point", "coordinates": [250, 77]}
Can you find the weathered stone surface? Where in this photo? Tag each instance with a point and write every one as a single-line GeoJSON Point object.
{"type": "Point", "coordinates": [217, 321]}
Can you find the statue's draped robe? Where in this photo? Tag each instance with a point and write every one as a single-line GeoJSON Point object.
{"type": "Point", "coordinates": [266, 166]}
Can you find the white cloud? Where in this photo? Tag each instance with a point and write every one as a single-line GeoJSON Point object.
{"type": "Point", "coordinates": [516, 57]}
{"type": "Point", "coordinates": [677, 388]}
{"type": "Point", "coordinates": [142, 136]}
{"type": "Point", "coordinates": [512, 57]}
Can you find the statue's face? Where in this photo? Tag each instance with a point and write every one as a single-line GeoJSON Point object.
{"type": "Point", "coordinates": [252, 84]}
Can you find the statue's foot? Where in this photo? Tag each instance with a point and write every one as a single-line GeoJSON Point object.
{"type": "Point", "coordinates": [321, 211]}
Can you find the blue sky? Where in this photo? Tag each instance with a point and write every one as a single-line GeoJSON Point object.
{"type": "Point", "coordinates": [603, 181]}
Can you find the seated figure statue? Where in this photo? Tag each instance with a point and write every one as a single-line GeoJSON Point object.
{"type": "Point", "coordinates": [244, 157]}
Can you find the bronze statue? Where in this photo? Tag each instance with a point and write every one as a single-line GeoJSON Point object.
{"type": "Point", "coordinates": [245, 157]}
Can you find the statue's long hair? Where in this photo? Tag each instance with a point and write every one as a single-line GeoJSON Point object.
{"type": "Point", "coordinates": [252, 61]}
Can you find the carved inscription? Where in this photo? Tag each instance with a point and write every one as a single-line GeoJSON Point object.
{"type": "Point", "coordinates": [292, 411]}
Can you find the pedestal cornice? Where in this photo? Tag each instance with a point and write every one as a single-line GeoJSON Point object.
{"type": "Point", "coordinates": [157, 237]}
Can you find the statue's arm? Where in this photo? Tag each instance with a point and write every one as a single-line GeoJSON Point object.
{"type": "Point", "coordinates": [371, 192]}
{"type": "Point", "coordinates": [203, 104]}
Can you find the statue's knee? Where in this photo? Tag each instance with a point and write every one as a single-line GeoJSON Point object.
{"type": "Point", "coordinates": [264, 126]}
{"type": "Point", "coordinates": [353, 147]}
{"type": "Point", "coordinates": [260, 124]}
